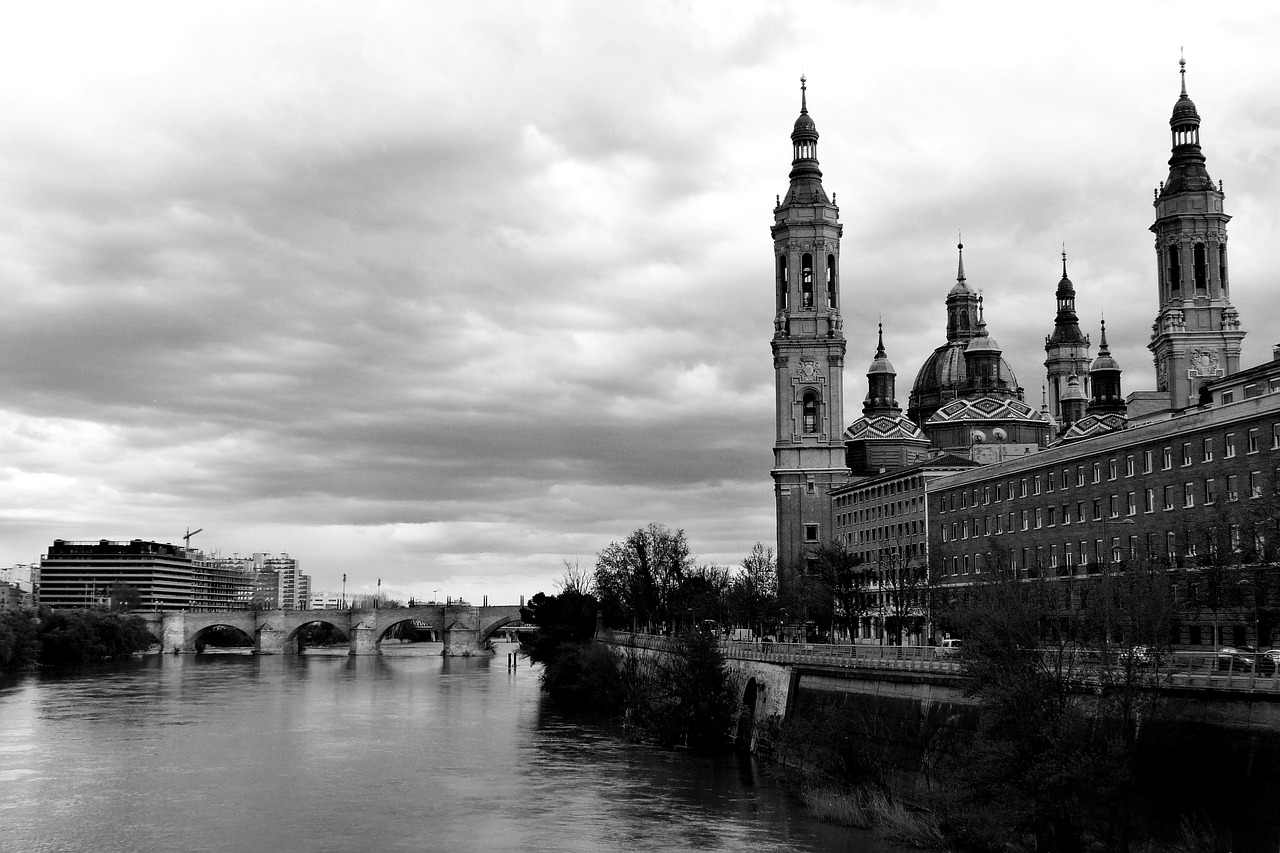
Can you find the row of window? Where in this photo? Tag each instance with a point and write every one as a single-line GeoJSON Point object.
{"type": "Point", "coordinates": [1186, 548]}
{"type": "Point", "coordinates": [1171, 496]}
{"type": "Point", "coordinates": [1188, 454]}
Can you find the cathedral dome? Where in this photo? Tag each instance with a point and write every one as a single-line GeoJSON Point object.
{"type": "Point", "coordinates": [943, 377]}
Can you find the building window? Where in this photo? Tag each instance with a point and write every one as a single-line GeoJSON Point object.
{"type": "Point", "coordinates": [806, 281]}
{"type": "Point", "coordinates": [1038, 518]}
{"type": "Point", "coordinates": [999, 492]}
{"type": "Point", "coordinates": [1209, 494]}
{"type": "Point", "coordinates": [1052, 513]}
{"type": "Point", "coordinates": [831, 281]}
{"type": "Point", "coordinates": [1113, 506]}
{"type": "Point", "coordinates": [1167, 459]}
{"type": "Point", "coordinates": [811, 487]}
{"type": "Point", "coordinates": [1147, 456]}
{"type": "Point", "coordinates": [1035, 485]}
{"type": "Point", "coordinates": [1111, 469]}
{"type": "Point", "coordinates": [811, 533]}
{"type": "Point", "coordinates": [1066, 474]}
{"type": "Point", "coordinates": [1233, 488]}
{"type": "Point", "coordinates": [1022, 488]}
{"type": "Point", "coordinates": [1066, 513]}
{"type": "Point", "coordinates": [1128, 465]}
{"type": "Point", "coordinates": [1097, 472]}
{"type": "Point", "coordinates": [986, 495]}
{"type": "Point", "coordinates": [1080, 512]}
{"type": "Point", "coordinates": [1275, 436]}
{"type": "Point", "coordinates": [1188, 495]}
{"type": "Point", "coordinates": [1149, 501]}
{"type": "Point", "coordinates": [1131, 504]}
{"type": "Point", "coordinates": [1186, 453]}
{"type": "Point", "coordinates": [1228, 397]}
{"type": "Point", "coordinates": [1048, 479]}
{"type": "Point", "coordinates": [1255, 484]}
{"type": "Point", "coordinates": [809, 407]}
{"type": "Point", "coordinates": [1253, 440]}
{"type": "Point", "coordinates": [1253, 389]}
{"type": "Point", "coordinates": [1116, 554]}
{"type": "Point", "coordinates": [1079, 475]}
{"type": "Point", "coordinates": [1097, 509]}
{"type": "Point", "coordinates": [1206, 449]}
{"type": "Point", "coordinates": [1229, 443]}
{"type": "Point", "coordinates": [1168, 497]}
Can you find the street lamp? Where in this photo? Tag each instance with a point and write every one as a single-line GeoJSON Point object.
{"type": "Point", "coordinates": [344, 590]}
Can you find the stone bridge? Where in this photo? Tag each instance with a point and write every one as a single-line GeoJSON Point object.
{"type": "Point", "coordinates": [464, 628]}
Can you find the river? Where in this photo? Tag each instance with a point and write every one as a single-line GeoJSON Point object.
{"type": "Point", "coordinates": [324, 752]}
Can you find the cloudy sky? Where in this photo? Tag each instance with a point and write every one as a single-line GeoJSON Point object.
{"type": "Point", "coordinates": [449, 293]}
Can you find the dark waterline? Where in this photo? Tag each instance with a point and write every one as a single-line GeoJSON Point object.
{"type": "Point", "coordinates": [324, 752]}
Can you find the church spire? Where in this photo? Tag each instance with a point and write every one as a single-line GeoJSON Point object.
{"type": "Point", "coordinates": [881, 383]}
{"type": "Point", "coordinates": [1067, 349]}
{"type": "Point", "coordinates": [806, 177]}
{"type": "Point", "coordinates": [1104, 375]}
{"type": "Point", "coordinates": [962, 304]}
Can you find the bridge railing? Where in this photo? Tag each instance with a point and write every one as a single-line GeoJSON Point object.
{"type": "Point", "coordinates": [1194, 670]}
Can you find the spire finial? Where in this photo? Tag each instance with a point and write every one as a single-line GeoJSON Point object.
{"type": "Point", "coordinates": [960, 268]}
{"type": "Point", "coordinates": [1182, 69]}
{"type": "Point", "coordinates": [1102, 346]}
{"type": "Point", "coordinates": [1064, 260]}
{"type": "Point", "coordinates": [880, 342]}
{"type": "Point", "coordinates": [804, 106]}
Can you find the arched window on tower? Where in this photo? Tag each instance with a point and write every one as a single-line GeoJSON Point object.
{"type": "Point", "coordinates": [809, 412]}
{"type": "Point", "coordinates": [1201, 269]}
{"type": "Point", "coordinates": [964, 321]}
{"type": "Point", "coordinates": [831, 281]}
{"type": "Point", "coordinates": [1222, 267]}
{"type": "Point", "coordinates": [1173, 270]}
{"type": "Point", "coordinates": [782, 282]}
{"type": "Point", "coordinates": [806, 282]}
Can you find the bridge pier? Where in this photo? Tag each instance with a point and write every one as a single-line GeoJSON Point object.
{"type": "Point", "coordinates": [269, 638]}
{"type": "Point", "coordinates": [462, 633]}
{"type": "Point", "coordinates": [364, 633]}
{"type": "Point", "coordinates": [173, 630]}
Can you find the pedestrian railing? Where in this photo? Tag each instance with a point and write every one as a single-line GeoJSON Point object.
{"type": "Point", "coordinates": [1194, 670]}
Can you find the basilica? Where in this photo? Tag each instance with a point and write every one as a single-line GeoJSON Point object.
{"type": "Point", "coordinates": [867, 483]}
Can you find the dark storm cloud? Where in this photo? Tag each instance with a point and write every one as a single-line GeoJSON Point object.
{"type": "Point", "coordinates": [457, 295]}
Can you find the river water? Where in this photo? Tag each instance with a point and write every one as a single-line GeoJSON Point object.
{"type": "Point", "coordinates": [324, 752]}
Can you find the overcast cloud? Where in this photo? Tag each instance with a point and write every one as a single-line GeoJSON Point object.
{"type": "Point", "coordinates": [446, 294]}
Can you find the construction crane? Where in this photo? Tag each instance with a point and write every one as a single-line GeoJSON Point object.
{"type": "Point", "coordinates": [187, 538]}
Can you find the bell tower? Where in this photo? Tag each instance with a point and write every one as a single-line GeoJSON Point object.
{"type": "Point", "coordinates": [1196, 336]}
{"type": "Point", "coordinates": [808, 356]}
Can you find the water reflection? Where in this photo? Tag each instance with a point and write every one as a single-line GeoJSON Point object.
{"type": "Point", "coordinates": [407, 751]}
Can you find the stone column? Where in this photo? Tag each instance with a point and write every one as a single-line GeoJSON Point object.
{"type": "Point", "coordinates": [173, 630]}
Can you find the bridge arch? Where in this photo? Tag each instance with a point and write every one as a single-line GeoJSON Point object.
{"type": "Point", "coordinates": [340, 633]}
{"type": "Point", "coordinates": [198, 637]}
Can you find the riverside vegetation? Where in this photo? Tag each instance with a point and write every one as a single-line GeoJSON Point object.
{"type": "Point", "coordinates": [68, 638]}
{"type": "Point", "coordinates": [1074, 753]}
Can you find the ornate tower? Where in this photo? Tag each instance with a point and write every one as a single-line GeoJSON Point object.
{"type": "Point", "coordinates": [808, 355]}
{"type": "Point", "coordinates": [1067, 349]}
{"type": "Point", "coordinates": [1196, 336]}
{"type": "Point", "coordinates": [1105, 373]}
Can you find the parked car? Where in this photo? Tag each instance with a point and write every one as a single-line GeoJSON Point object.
{"type": "Point", "coordinates": [1245, 659]}
{"type": "Point", "coordinates": [947, 648]}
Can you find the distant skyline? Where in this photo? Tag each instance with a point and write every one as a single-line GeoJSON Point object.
{"type": "Point", "coordinates": [446, 294]}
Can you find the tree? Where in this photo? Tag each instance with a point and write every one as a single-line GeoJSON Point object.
{"type": "Point", "coordinates": [635, 579]}
{"type": "Point", "coordinates": [753, 592]}
{"type": "Point", "coordinates": [1064, 704]}
{"type": "Point", "coordinates": [124, 596]}
{"type": "Point", "coordinates": [17, 640]}
{"type": "Point", "coordinates": [846, 580]}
